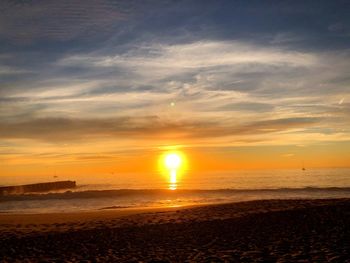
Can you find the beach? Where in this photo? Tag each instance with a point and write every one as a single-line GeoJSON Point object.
{"type": "Point", "coordinates": [254, 231]}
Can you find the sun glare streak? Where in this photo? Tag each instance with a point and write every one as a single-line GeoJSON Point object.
{"type": "Point", "coordinates": [173, 179]}
{"type": "Point", "coordinates": [173, 186]}
{"type": "Point", "coordinates": [171, 164]}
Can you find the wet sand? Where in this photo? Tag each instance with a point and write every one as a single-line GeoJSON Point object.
{"type": "Point", "coordinates": [255, 231]}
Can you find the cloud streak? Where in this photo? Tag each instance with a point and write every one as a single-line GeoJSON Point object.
{"type": "Point", "coordinates": [57, 129]}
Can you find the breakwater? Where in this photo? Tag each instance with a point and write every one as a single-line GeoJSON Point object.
{"type": "Point", "coordinates": [39, 187]}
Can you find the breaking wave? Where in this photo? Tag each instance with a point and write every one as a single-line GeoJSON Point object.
{"type": "Point", "coordinates": [164, 193]}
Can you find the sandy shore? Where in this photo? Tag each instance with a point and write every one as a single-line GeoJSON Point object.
{"type": "Point", "coordinates": [255, 231]}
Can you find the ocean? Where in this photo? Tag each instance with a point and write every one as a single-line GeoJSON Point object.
{"type": "Point", "coordinates": [154, 190]}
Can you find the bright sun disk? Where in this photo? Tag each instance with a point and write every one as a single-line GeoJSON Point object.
{"type": "Point", "coordinates": [172, 161]}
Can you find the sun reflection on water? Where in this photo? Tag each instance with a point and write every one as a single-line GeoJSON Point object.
{"type": "Point", "coordinates": [172, 162]}
{"type": "Point", "coordinates": [173, 180]}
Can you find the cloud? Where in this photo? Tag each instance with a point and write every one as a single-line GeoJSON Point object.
{"type": "Point", "coordinates": [63, 129]}
{"type": "Point", "coordinates": [246, 106]}
{"type": "Point", "coordinates": [208, 65]}
{"type": "Point", "coordinates": [197, 55]}
{"type": "Point", "coordinates": [5, 70]}
{"type": "Point", "coordinates": [220, 65]}
{"type": "Point", "coordinates": [207, 80]}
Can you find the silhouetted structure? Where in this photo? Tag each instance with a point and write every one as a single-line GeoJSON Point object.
{"type": "Point", "coordinates": [40, 187]}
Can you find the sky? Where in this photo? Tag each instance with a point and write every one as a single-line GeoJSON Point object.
{"type": "Point", "coordinates": [96, 86]}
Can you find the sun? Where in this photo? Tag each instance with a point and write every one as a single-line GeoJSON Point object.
{"type": "Point", "coordinates": [172, 161]}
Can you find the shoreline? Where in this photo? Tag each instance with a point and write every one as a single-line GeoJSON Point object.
{"type": "Point", "coordinates": [85, 215]}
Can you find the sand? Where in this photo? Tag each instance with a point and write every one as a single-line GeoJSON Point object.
{"type": "Point", "coordinates": [255, 231]}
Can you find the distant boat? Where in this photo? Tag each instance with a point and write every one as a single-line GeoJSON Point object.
{"type": "Point", "coordinates": [303, 168]}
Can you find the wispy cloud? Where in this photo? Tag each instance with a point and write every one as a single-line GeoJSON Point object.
{"type": "Point", "coordinates": [209, 79]}
{"type": "Point", "coordinates": [143, 127]}
{"type": "Point", "coordinates": [198, 55]}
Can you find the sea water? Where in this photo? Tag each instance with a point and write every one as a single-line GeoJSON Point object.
{"type": "Point", "coordinates": [111, 191]}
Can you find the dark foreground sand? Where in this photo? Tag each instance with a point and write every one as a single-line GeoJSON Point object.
{"type": "Point", "coordinates": [256, 231]}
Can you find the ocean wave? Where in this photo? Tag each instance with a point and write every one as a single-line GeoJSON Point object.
{"type": "Point", "coordinates": [164, 193]}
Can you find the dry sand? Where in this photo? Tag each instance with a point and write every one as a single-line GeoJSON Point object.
{"type": "Point", "coordinates": [255, 231]}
